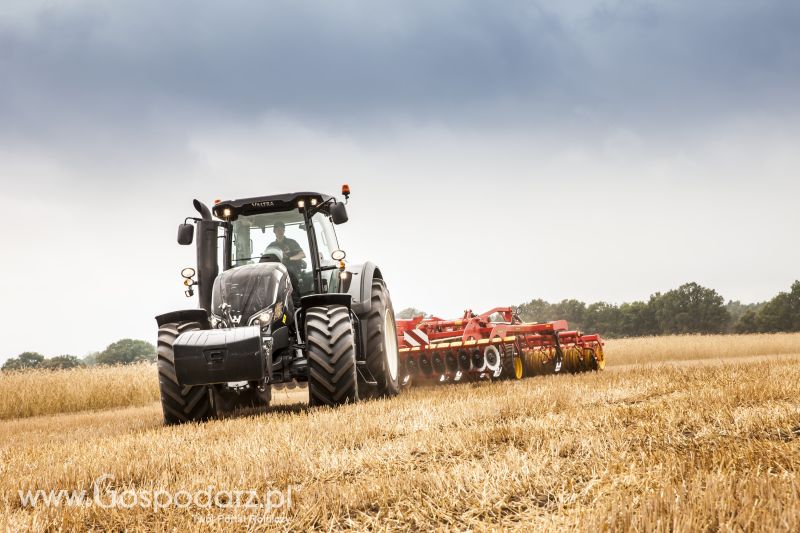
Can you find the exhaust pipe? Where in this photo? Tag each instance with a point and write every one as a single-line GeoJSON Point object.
{"type": "Point", "coordinates": [207, 267]}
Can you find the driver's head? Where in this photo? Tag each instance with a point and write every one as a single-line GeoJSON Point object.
{"type": "Point", "coordinates": [279, 229]}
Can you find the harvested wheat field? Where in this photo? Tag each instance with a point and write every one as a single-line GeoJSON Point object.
{"type": "Point", "coordinates": [645, 445]}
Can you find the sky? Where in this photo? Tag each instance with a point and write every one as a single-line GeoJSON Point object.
{"type": "Point", "coordinates": [497, 151]}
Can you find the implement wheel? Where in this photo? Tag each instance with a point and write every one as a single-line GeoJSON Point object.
{"type": "Point", "coordinates": [519, 370]}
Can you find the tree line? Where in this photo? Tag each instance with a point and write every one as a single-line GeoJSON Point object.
{"type": "Point", "coordinates": [691, 308]}
{"type": "Point", "coordinates": [122, 352]}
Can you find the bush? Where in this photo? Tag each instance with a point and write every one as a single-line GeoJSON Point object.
{"type": "Point", "coordinates": [24, 361]}
{"type": "Point", "coordinates": [61, 362]}
{"type": "Point", "coordinates": [127, 351]}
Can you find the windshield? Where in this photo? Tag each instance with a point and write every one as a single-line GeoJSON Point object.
{"type": "Point", "coordinates": [326, 238]}
{"type": "Point", "coordinates": [326, 244]}
{"type": "Point", "coordinates": [279, 237]}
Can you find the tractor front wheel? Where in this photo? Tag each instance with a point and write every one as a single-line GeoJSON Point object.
{"type": "Point", "coordinates": [331, 353]}
{"type": "Point", "coordinates": [179, 404]}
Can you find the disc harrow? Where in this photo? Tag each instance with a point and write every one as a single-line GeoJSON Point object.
{"type": "Point", "coordinates": [493, 345]}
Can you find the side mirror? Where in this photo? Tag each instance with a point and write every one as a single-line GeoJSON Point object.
{"type": "Point", "coordinates": [185, 234]}
{"type": "Point", "coordinates": [339, 213]}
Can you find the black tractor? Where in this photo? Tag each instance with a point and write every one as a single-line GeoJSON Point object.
{"type": "Point", "coordinates": [278, 305]}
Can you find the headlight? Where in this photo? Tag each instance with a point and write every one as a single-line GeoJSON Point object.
{"type": "Point", "coordinates": [265, 317]}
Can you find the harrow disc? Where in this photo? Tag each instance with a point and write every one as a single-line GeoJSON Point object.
{"type": "Point", "coordinates": [478, 359]}
{"type": "Point", "coordinates": [411, 366]}
{"type": "Point", "coordinates": [492, 356]}
{"type": "Point", "coordinates": [451, 361]}
{"type": "Point", "coordinates": [438, 363]}
{"type": "Point", "coordinates": [464, 360]}
{"type": "Point", "coordinates": [425, 364]}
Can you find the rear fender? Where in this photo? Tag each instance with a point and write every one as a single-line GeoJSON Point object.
{"type": "Point", "coordinates": [360, 286]}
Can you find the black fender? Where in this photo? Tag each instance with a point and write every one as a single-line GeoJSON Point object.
{"type": "Point", "coordinates": [185, 315]}
{"type": "Point", "coordinates": [360, 278]}
{"type": "Point", "coordinates": [331, 298]}
{"type": "Point", "coordinates": [360, 286]}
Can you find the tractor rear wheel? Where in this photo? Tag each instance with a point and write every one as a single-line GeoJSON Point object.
{"type": "Point", "coordinates": [179, 404]}
{"type": "Point", "coordinates": [383, 358]}
{"type": "Point", "coordinates": [331, 353]}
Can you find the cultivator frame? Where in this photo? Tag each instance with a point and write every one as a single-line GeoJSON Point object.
{"type": "Point", "coordinates": [495, 344]}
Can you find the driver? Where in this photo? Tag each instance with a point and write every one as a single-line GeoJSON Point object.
{"type": "Point", "coordinates": [293, 255]}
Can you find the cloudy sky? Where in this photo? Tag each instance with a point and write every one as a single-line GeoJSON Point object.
{"type": "Point", "coordinates": [497, 151]}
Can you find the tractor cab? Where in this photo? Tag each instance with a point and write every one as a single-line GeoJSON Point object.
{"type": "Point", "coordinates": [299, 226]}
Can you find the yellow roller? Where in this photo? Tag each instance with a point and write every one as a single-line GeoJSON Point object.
{"type": "Point", "coordinates": [572, 359]}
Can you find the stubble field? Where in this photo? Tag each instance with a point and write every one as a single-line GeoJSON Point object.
{"type": "Point", "coordinates": [679, 433]}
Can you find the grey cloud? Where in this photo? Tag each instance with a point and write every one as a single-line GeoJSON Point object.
{"type": "Point", "coordinates": [136, 69]}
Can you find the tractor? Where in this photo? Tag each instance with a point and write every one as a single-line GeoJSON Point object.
{"type": "Point", "coordinates": [278, 304]}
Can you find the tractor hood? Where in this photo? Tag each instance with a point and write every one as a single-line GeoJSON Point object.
{"type": "Point", "coordinates": [248, 290]}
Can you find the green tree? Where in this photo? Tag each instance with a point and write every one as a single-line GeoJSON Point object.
{"type": "Point", "coordinates": [782, 313]}
{"type": "Point", "coordinates": [573, 311]}
{"type": "Point", "coordinates": [691, 308]}
{"type": "Point", "coordinates": [61, 362]}
{"type": "Point", "coordinates": [535, 311]}
{"type": "Point", "coordinates": [24, 361]}
{"type": "Point", "coordinates": [127, 351]}
{"type": "Point", "coordinates": [603, 317]}
{"type": "Point", "coordinates": [747, 323]}
{"type": "Point", "coordinates": [637, 319]}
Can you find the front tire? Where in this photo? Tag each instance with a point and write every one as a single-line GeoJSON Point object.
{"type": "Point", "coordinates": [383, 358]}
{"type": "Point", "coordinates": [179, 404]}
{"type": "Point", "coordinates": [331, 353]}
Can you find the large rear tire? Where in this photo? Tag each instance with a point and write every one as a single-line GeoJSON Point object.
{"type": "Point", "coordinates": [179, 404]}
{"type": "Point", "coordinates": [383, 358]}
{"type": "Point", "coordinates": [331, 353]}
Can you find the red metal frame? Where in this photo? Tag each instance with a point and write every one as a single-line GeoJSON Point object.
{"type": "Point", "coordinates": [504, 348]}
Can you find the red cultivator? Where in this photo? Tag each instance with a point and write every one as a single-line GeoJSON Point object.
{"type": "Point", "coordinates": [495, 344]}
